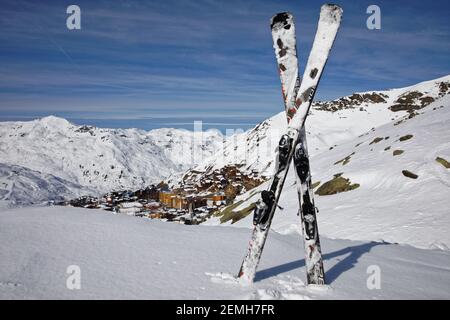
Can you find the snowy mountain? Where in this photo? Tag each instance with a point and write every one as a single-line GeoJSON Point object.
{"type": "Point", "coordinates": [21, 186]}
{"type": "Point", "coordinates": [329, 124]}
{"type": "Point", "coordinates": [103, 159]}
{"type": "Point", "coordinates": [372, 146]}
{"type": "Point", "coordinates": [148, 259]}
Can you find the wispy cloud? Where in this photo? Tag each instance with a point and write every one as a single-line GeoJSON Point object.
{"type": "Point", "coordinates": [154, 59]}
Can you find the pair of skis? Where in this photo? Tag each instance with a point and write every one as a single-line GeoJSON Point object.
{"type": "Point", "coordinates": [298, 96]}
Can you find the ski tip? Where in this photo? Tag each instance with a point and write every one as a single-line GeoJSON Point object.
{"type": "Point", "coordinates": [331, 12]}
{"type": "Point", "coordinates": [282, 20]}
{"type": "Point", "coordinates": [331, 6]}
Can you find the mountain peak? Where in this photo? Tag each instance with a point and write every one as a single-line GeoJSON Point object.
{"type": "Point", "coordinates": [54, 121]}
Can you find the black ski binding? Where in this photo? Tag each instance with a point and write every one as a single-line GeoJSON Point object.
{"type": "Point", "coordinates": [309, 211]}
{"type": "Point", "coordinates": [261, 213]}
{"type": "Point", "coordinates": [301, 163]}
{"type": "Point", "coordinates": [284, 147]}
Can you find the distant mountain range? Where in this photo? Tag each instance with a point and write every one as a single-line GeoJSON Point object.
{"type": "Point", "coordinates": [88, 158]}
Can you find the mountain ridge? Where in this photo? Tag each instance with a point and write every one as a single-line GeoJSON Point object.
{"type": "Point", "coordinates": [254, 149]}
{"type": "Point", "coordinates": [100, 158]}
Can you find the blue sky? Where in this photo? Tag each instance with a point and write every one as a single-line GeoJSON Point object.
{"type": "Point", "coordinates": [152, 64]}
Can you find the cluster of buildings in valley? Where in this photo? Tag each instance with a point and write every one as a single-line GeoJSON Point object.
{"type": "Point", "coordinates": [156, 202]}
{"type": "Point", "coordinates": [192, 201]}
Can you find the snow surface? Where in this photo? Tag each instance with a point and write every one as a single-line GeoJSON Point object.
{"type": "Point", "coordinates": [122, 257]}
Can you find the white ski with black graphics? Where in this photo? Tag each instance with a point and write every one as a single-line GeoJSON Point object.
{"type": "Point", "coordinates": [282, 26]}
{"type": "Point", "coordinates": [329, 22]}
{"type": "Point", "coordinates": [284, 43]}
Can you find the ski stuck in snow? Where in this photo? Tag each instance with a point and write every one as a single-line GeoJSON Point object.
{"type": "Point", "coordinates": [283, 34]}
{"type": "Point", "coordinates": [298, 96]}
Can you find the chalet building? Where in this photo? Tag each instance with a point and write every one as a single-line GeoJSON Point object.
{"type": "Point", "coordinates": [155, 215]}
{"type": "Point", "coordinates": [165, 198]}
{"type": "Point", "coordinates": [130, 208]}
{"type": "Point", "coordinates": [108, 198]}
{"type": "Point", "coordinates": [218, 197]}
{"type": "Point", "coordinates": [149, 193]}
{"type": "Point", "coordinates": [173, 200]}
{"type": "Point", "coordinates": [180, 202]}
{"type": "Point", "coordinates": [153, 205]}
{"type": "Point", "coordinates": [198, 202]}
{"type": "Point", "coordinates": [215, 200]}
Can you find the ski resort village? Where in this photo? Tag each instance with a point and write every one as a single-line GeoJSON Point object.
{"type": "Point", "coordinates": [110, 188]}
{"type": "Point", "coordinates": [192, 202]}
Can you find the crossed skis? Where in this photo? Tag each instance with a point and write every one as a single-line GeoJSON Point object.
{"type": "Point", "coordinates": [298, 96]}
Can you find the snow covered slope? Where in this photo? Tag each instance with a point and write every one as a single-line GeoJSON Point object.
{"type": "Point", "coordinates": [105, 159]}
{"type": "Point", "coordinates": [372, 148]}
{"type": "Point", "coordinates": [122, 257]}
{"type": "Point", "coordinates": [329, 124]}
{"type": "Point", "coordinates": [20, 186]}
